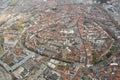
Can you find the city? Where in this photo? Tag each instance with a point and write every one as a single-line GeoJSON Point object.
{"type": "Point", "coordinates": [59, 39]}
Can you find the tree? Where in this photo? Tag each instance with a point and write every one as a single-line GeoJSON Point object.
{"type": "Point", "coordinates": [95, 57]}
